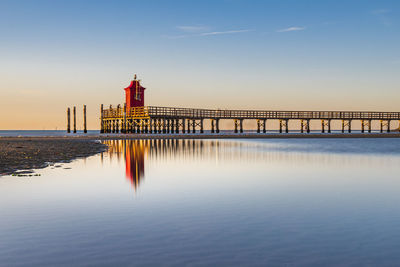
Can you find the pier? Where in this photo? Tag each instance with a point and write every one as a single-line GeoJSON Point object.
{"type": "Point", "coordinates": [134, 117]}
{"type": "Point", "coordinates": [152, 119]}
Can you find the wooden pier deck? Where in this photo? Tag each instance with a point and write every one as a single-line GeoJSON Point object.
{"type": "Point", "coordinates": [153, 119]}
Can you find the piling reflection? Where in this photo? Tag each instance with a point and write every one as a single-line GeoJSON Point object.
{"type": "Point", "coordinates": [136, 153]}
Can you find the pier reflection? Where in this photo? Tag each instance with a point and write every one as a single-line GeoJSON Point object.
{"type": "Point", "coordinates": [139, 153]}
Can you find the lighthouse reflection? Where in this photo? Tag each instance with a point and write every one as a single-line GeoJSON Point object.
{"type": "Point", "coordinates": [134, 153]}
{"type": "Point", "coordinates": [137, 154]}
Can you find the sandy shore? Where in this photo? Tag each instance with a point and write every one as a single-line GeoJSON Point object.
{"type": "Point", "coordinates": [25, 153]}
{"type": "Point", "coordinates": [33, 153]}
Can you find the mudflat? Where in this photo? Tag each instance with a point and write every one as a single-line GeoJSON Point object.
{"type": "Point", "coordinates": [33, 153]}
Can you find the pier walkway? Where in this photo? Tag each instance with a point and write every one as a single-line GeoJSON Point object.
{"type": "Point", "coordinates": [152, 119]}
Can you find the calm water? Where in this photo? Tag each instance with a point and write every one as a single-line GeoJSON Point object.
{"type": "Point", "coordinates": [209, 203]}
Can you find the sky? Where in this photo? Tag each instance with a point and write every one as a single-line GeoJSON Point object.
{"type": "Point", "coordinates": [238, 54]}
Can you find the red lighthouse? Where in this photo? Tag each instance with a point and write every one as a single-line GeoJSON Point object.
{"type": "Point", "coordinates": [134, 94]}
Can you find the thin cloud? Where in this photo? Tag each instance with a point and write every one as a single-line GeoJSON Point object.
{"type": "Point", "coordinates": [206, 34]}
{"type": "Point", "coordinates": [223, 32]}
{"type": "Point", "coordinates": [192, 28]}
{"type": "Point", "coordinates": [292, 29]}
{"type": "Point", "coordinates": [382, 15]}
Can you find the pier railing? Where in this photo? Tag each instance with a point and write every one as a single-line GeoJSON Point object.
{"type": "Point", "coordinates": [173, 113]}
{"type": "Point", "coordinates": [260, 114]}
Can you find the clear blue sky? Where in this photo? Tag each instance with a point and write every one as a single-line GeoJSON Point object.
{"type": "Point", "coordinates": [305, 55]}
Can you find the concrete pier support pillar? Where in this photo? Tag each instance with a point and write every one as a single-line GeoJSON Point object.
{"type": "Point", "coordinates": [241, 125]}
{"type": "Point", "coordinates": [201, 126]}
{"type": "Point", "coordinates": [123, 130]}
{"type": "Point", "coordinates": [69, 121]}
{"type": "Point", "coordinates": [172, 126]}
{"type": "Point", "coordinates": [302, 126]}
{"type": "Point", "coordinates": [258, 126]}
{"type": "Point", "coordinates": [217, 125]}
{"type": "Point", "coordinates": [168, 126]}
{"type": "Point", "coordinates": [342, 126]}
{"type": "Point", "coordinates": [147, 125]}
{"type": "Point", "coordinates": [212, 126]}
{"type": "Point", "coordinates": [129, 126]}
{"type": "Point", "coordinates": [308, 126]}
{"type": "Point", "coordinates": [151, 122]}
{"type": "Point", "coordinates": [133, 125]}
{"type": "Point", "coordinates": [74, 119]}
{"type": "Point", "coordinates": [194, 126]}
{"type": "Point", "coordinates": [154, 125]}
{"type": "Point", "coordinates": [264, 126]}
{"type": "Point", "coordinates": [236, 126]}
{"type": "Point", "coordinates": [287, 126]}
{"type": "Point", "coordinates": [329, 126]}
{"type": "Point", "coordinates": [164, 125]}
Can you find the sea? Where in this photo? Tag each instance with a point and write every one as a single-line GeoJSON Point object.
{"type": "Point", "coordinates": [236, 202]}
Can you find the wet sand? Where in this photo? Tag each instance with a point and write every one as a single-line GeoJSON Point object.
{"type": "Point", "coordinates": [18, 154]}
{"type": "Point", "coordinates": [26, 153]}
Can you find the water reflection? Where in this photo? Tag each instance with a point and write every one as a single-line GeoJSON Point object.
{"type": "Point", "coordinates": [268, 152]}
{"type": "Point", "coordinates": [134, 152]}
{"type": "Point", "coordinates": [210, 202]}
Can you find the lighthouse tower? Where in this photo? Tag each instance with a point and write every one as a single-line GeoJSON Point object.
{"type": "Point", "coordinates": [134, 94]}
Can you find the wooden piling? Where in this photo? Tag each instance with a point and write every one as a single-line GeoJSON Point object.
{"type": "Point", "coordinates": [74, 119]}
{"type": "Point", "coordinates": [101, 119]}
{"type": "Point", "coordinates": [84, 119]}
{"type": "Point", "coordinates": [68, 120]}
